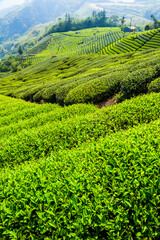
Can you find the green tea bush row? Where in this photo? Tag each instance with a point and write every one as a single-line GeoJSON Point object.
{"type": "Point", "coordinates": [40, 46]}
{"type": "Point", "coordinates": [136, 42]}
{"type": "Point", "coordinates": [73, 79]}
{"type": "Point", "coordinates": [82, 42]}
{"type": "Point", "coordinates": [24, 112]}
{"type": "Point", "coordinates": [96, 44]}
{"type": "Point", "coordinates": [12, 125]}
{"type": "Point", "coordinates": [148, 62]}
{"type": "Point", "coordinates": [108, 189]}
{"type": "Point", "coordinates": [68, 133]}
{"type": "Point", "coordinates": [154, 42]}
{"type": "Point", "coordinates": [136, 82]}
{"type": "Point", "coordinates": [96, 90]}
{"type": "Point", "coordinates": [154, 86]}
{"type": "Point", "coordinates": [62, 92]}
{"type": "Point", "coordinates": [129, 84]}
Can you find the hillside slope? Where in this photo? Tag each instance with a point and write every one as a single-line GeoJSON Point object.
{"type": "Point", "coordinates": [17, 22]}
{"type": "Point", "coordinates": [135, 42]}
{"type": "Point", "coordinates": [139, 11]}
{"type": "Point", "coordinates": [85, 78]}
{"type": "Point", "coordinates": [84, 41]}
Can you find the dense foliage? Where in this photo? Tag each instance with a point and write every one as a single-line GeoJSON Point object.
{"type": "Point", "coordinates": [85, 78]}
{"type": "Point", "coordinates": [13, 64]}
{"type": "Point", "coordinates": [88, 173]}
{"type": "Point", "coordinates": [154, 86]}
{"type": "Point", "coordinates": [77, 171]}
{"type": "Point", "coordinates": [44, 136]}
{"type": "Point", "coordinates": [97, 20]}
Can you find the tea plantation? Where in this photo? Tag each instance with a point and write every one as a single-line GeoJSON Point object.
{"type": "Point", "coordinates": [135, 42]}
{"type": "Point", "coordinates": [78, 172]}
{"type": "Point", "coordinates": [85, 78]}
{"type": "Point", "coordinates": [69, 170]}
{"type": "Point", "coordinates": [93, 41]}
{"type": "Point", "coordinates": [84, 41]}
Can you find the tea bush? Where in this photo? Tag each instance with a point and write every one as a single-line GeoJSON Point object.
{"type": "Point", "coordinates": [79, 172]}
{"type": "Point", "coordinates": [84, 78]}
{"type": "Point", "coordinates": [106, 189]}
{"type": "Point", "coordinates": [154, 86]}
{"type": "Point", "coordinates": [134, 42]}
{"type": "Point", "coordinates": [97, 89]}
{"type": "Point", "coordinates": [137, 82]}
{"type": "Point", "coordinates": [40, 136]}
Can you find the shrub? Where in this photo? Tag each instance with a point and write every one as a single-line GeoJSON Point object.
{"type": "Point", "coordinates": [107, 189]}
{"type": "Point", "coordinates": [136, 82]}
{"type": "Point", "coordinates": [29, 144]}
{"type": "Point", "coordinates": [96, 90]}
{"type": "Point", "coordinates": [154, 86]}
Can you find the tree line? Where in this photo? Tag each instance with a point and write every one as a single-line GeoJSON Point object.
{"type": "Point", "coordinates": [154, 25]}
{"type": "Point", "coordinates": [99, 19]}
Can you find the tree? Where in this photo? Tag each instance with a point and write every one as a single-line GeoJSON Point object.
{"type": "Point", "coordinates": [122, 20]}
{"type": "Point", "coordinates": [147, 27]}
{"type": "Point", "coordinates": [103, 16]}
{"type": "Point", "coordinates": [96, 20]}
{"type": "Point", "coordinates": [94, 14]}
{"type": "Point", "coordinates": [156, 22]}
{"type": "Point", "coordinates": [20, 51]}
{"type": "Point", "coordinates": [69, 22]}
{"type": "Point", "coordinates": [114, 20]}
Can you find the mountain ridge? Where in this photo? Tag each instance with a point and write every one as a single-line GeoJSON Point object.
{"type": "Point", "coordinates": [18, 21]}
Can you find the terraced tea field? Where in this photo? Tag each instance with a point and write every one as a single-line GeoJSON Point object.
{"type": "Point", "coordinates": [85, 78]}
{"type": "Point", "coordinates": [75, 42]}
{"type": "Point", "coordinates": [69, 44]}
{"type": "Point", "coordinates": [92, 41]}
{"type": "Point", "coordinates": [135, 42]}
{"type": "Point", "coordinates": [97, 40]}
{"type": "Point", "coordinates": [79, 172]}
{"type": "Point", "coordinates": [71, 170]}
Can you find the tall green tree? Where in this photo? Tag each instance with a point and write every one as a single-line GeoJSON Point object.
{"type": "Point", "coordinates": [20, 50]}
{"type": "Point", "coordinates": [122, 20]}
{"type": "Point", "coordinates": [156, 22]}
{"type": "Point", "coordinates": [114, 19]}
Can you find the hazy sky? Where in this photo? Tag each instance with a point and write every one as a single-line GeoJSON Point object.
{"type": "Point", "coordinates": [10, 3]}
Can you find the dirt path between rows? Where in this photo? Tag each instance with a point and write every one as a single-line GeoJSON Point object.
{"type": "Point", "coordinates": [107, 103]}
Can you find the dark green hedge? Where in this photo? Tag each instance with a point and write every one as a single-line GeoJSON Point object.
{"type": "Point", "coordinates": [154, 86]}
{"type": "Point", "coordinates": [137, 82]}
{"type": "Point", "coordinates": [96, 90]}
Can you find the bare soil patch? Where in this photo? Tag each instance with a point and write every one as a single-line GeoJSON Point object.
{"type": "Point", "coordinates": [107, 103]}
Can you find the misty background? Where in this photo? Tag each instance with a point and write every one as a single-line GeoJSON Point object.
{"type": "Point", "coordinates": [18, 17]}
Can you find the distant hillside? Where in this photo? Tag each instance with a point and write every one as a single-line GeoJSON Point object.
{"type": "Point", "coordinates": [17, 22]}
{"type": "Point", "coordinates": [139, 11]}
{"type": "Point", "coordinates": [135, 42]}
